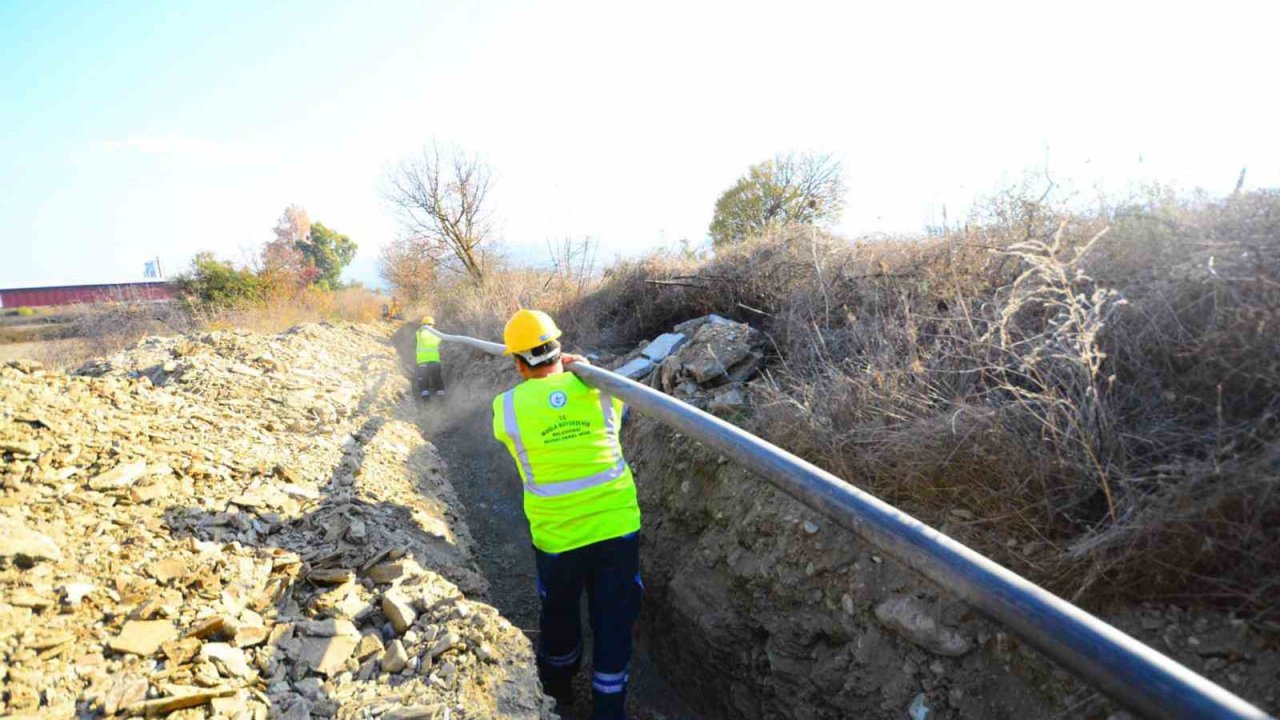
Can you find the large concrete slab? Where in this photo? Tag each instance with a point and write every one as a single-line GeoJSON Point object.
{"type": "Point", "coordinates": [636, 369]}
{"type": "Point", "coordinates": [664, 345]}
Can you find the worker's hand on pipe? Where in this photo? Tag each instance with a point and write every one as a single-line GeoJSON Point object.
{"type": "Point", "coordinates": [571, 358]}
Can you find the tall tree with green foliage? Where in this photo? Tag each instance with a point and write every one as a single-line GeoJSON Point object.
{"type": "Point", "coordinates": [328, 251]}
{"type": "Point", "coordinates": [789, 189]}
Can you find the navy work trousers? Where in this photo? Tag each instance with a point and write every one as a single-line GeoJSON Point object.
{"type": "Point", "coordinates": [609, 572]}
{"type": "Point", "coordinates": [429, 380]}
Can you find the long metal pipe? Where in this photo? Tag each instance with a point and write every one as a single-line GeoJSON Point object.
{"type": "Point", "coordinates": [1133, 673]}
{"type": "Point", "coordinates": [492, 348]}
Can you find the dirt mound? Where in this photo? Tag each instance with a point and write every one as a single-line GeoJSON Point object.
{"type": "Point", "coordinates": [240, 525]}
{"type": "Point", "coordinates": [751, 592]}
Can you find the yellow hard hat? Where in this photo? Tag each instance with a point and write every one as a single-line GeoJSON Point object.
{"type": "Point", "coordinates": [528, 329]}
{"type": "Point", "coordinates": [428, 320]}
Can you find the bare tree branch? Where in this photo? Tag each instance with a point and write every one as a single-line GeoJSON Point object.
{"type": "Point", "coordinates": [788, 189]}
{"type": "Point", "coordinates": [441, 200]}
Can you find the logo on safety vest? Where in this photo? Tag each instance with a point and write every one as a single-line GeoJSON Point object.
{"type": "Point", "coordinates": [558, 399]}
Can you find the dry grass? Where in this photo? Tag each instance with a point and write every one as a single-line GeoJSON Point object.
{"type": "Point", "coordinates": [481, 310]}
{"type": "Point", "coordinates": [284, 310]}
{"type": "Point", "coordinates": [95, 330]}
{"type": "Point", "coordinates": [1090, 398]}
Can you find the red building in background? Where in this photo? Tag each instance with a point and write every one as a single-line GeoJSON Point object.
{"type": "Point", "coordinates": [78, 294]}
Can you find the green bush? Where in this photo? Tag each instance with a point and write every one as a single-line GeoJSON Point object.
{"type": "Point", "coordinates": [25, 311]}
{"type": "Point", "coordinates": [218, 283]}
{"type": "Point", "coordinates": [328, 251]}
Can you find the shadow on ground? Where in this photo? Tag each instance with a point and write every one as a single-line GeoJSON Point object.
{"type": "Point", "coordinates": [343, 530]}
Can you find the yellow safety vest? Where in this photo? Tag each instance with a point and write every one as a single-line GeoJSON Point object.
{"type": "Point", "coordinates": [428, 346]}
{"type": "Point", "coordinates": [563, 435]}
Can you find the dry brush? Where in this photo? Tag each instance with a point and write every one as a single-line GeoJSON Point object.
{"type": "Point", "coordinates": [1091, 398]}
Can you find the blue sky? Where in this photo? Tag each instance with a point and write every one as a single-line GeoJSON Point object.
{"type": "Point", "coordinates": [131, 130]}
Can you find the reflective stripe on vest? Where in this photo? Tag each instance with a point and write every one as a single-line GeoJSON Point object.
{"type": "Point", "coordinates": [555, 489]}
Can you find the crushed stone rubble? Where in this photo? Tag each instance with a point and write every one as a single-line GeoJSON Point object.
{"type": "Point", "coordinates": [705, 361]}
{"type": "Point", "coordinates": [245, 526]}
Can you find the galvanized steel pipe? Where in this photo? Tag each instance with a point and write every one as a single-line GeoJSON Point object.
{"type": "Point", "coordinates": [1133, 673]}
{"type": "Point", "coordinates": [492, 348]}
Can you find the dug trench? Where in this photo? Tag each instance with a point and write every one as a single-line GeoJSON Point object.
{"type": "Point", "coordinates": [238, 525]}
{"type": "Point", "coordinates": [757, 607]}
{"type": "Point", "coordinates": [485, 478]}
{"type": "Point", "coordinates": [736, 622]}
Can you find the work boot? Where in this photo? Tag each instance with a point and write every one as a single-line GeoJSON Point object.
{"type": "Point", "coordinates": [561, 691]}
{"type": "Point", "coordinates": [608, 706]}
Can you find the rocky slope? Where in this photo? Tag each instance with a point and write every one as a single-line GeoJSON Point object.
{"type": "Point", "coordinates": [791, 617]}
{"type": "Point", "coordinates": [237, 525]}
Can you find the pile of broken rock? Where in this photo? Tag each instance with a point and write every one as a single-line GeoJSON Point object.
{"type": "Point", "coordinates": [705, 361]}
{"type": "Point", "coordinates": [242, 526]}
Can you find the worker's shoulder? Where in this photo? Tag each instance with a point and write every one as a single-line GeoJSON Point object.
{"type": "Point", "coordinates": [497, 399]}
{"type": "Point", "coordinates": [567, 382]}
{"type": "Point", "coordinates": [559, 382]}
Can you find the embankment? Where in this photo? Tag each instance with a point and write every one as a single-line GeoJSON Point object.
{"type": "Point", "coordinates": [792, 617]}
{"type": "Point", "coordinates": [759, 608]}
{"type": "Point", "coordinates": [244, 525]}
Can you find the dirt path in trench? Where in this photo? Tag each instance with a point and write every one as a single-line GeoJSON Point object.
{"type": "Point", "coordinates": [485, 478]}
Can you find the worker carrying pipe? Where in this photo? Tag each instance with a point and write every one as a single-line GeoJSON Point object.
{"type": "Point", "coordinates": [580, 500]}
{"type": "Point", "coordinates": [429, 378]}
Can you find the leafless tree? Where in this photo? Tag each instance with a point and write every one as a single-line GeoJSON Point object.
{"type": "Point", "coordinates": [442, 200]}
{"type": "Point", "coordinates": [409, 266]}
{"type": "Point", "coordinates": [573, 262]}
{"type": "Point", "coordinates": [294, 226]}
{"type": "Point", "coordinates": [788, 189]}
{"type": "Point", "coordinates": [816, 184]}
{"type": "Point", "coordinates": [282, 262]}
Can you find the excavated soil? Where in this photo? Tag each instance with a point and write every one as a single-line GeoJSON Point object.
{"type": "Point", "coordinates": [238, 525]}
{"type": "Point", "coordinates": [794, 618]}
{"type": "Point", "coordinates": [788, 616]}
{"type": "Point", "coordinates": [759, 608]}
